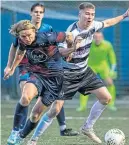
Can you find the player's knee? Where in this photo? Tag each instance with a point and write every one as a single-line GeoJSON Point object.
{"type": "Point", "coordinates": [24, 101]}
{"type": "Point", "coordinates": [35, 116]}
{"type": "Point", "coordinates": [106, 100]}
{"type": "Point", "coordinates": [26, 98]}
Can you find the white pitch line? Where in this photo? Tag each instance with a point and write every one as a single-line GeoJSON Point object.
{"type": "Point", "coordinates": [82, 118]}
{"type": "Point", "coordinates": [101, 118]}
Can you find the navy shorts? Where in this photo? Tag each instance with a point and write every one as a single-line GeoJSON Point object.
{"type": "Point", "coordinates": [48, 87]}
{"type": "Point", "coordinates": [23, 74]}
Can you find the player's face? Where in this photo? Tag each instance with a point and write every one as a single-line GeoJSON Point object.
{"type": "Point", "coordinates": [27, 36]}
{"type": "Point", "coordinates": [86, 16]}
{"type": "Point", "coordinates": [37, 14]}
{"type": "Point", "coordinates": [98, 38]}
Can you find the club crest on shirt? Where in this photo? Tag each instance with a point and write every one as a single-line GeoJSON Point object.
{"type": "Point", "coordinates": [38, 56]}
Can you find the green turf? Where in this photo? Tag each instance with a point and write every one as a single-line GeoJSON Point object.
{"type": "Point", "coordinates": [52, 137]}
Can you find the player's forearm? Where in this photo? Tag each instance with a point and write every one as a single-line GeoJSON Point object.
{"type": "Point", "coordinates": [11, 56]}
{"type": "Point", "coordinates": [66, 51]}
{"type": "Point", "coordinates": [113, 21]}
{"type": "Point", "coordinates": [18, 57]}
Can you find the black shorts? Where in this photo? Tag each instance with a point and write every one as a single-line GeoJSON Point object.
{"type": "Point", "coordinates": [48, 87]}
{"type": "Point", "coordinates": [83, 83]}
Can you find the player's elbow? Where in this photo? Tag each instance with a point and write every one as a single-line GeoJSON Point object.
{"type": "Point", "coordinates": [106, 23]}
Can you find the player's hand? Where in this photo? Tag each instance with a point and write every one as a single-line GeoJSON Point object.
{"type": "Point", "coordinates": [78, 41]}
{"type": "Point", "coordinates": [6, 70]}
{"type": "Point", "coordinates": [113, 74]}
{"type": "Point", "coordinates": [8, 73]}
{"type": "Point", "coordinates": [126, 14]}
{"type": "Point", "coordinates": [69, 39]}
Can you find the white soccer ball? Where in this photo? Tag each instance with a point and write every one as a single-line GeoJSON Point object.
{"type": "Point", "coordinates": [114, 137]}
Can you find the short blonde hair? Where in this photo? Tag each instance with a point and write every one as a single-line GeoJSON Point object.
{"type": "Point", "coordinates": [21, 25]}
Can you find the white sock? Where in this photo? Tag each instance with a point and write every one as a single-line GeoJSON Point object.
{"type": "Point", "coordinates": [62, 127]}
{"type": "Point", "coordinates": [95, 113]}
{"type": "Point", "coordinates": [42, 126]}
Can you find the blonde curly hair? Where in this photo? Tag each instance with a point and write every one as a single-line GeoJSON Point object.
{"type": "Point", "coordinates": [21, 25]}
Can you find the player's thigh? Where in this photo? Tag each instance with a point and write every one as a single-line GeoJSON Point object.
{"type": "Point", "coordinates": [22, 83]}
{"type": "Point", "coordinates": [23, 77]}
{"type": "Point", "coordinates": [30, 90]}
{"type": "Point", "coordinates": [102, 94]}
{"type": "Point", "coordinates": [37, 110]}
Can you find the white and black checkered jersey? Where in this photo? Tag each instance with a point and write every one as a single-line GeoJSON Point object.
{"type": "Point", "coordinates": [78, 63]}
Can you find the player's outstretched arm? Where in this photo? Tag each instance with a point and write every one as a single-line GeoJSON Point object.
{"type": "Point", "coordinates": [18, 57]}
{"type": "Point", "coordinates": [113, 21]}
{"type": "Point", "coordinates": [11, 56]}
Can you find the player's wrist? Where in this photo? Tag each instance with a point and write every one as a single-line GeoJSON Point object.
{"type": "Point", "coordinates": [8, 66]}
{"type": "Point", "coordinates": [113, 67]}
{"type": "Point", "coordinates": [126, 14]}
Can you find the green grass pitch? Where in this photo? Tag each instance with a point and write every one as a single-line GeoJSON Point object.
{"type": "Point", "coordinates": [108, 120]}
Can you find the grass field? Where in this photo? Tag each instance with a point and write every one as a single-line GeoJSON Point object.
{"type": "Point", "coordinates": [108, 120]}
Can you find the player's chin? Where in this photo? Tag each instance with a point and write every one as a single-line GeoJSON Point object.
{"type": "Point", "coordinates": [28, 43]}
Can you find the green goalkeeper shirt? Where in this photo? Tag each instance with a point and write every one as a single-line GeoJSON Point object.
{"type": "Point", "coordinates": [102, 55]}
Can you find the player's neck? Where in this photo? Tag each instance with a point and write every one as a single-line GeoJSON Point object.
{"type": "Point", "coordinates": [82, 26]}
{"type": "Point", "coordinates": [37, 24]}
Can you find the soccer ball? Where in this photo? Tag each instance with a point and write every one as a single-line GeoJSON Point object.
{"type": "Point", "coordinates": [114, 137]}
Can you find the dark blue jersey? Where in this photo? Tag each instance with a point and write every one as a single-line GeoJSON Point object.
{"type": "Point", "coordinates": [43, 54]}
{"type": "Point", "coordinates": [43, 28]}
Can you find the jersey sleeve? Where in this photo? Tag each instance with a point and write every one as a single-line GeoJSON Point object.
{"type": "Point", "coordinates": [98, 25]}
{"type": "Point", "coordinates": [21, 47]}
{"type": "Point", "coordinates": [15, 43]}
{"type": "Point", "coordinates": [58, 37]}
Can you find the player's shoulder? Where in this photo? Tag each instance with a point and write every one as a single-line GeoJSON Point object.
{"type": "Point", "coordinates": [41, 37]}
{"type": "Point", "coordinates": [72, 27]}
{"type": "Point", "coordinates": [95, 22]}
{"type": "Point", "coordinates": [106, 42]}
{"type": "Point", "coordinates": [45, 27]}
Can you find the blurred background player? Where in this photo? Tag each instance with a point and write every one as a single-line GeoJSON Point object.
{"type": "Point", "coordinates": [102, 60]}
{"type": "Point", "coordinates": [37, 15]}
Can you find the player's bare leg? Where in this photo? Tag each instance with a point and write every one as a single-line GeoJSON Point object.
{"type": "Point", "coordinates": [104, 98]}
